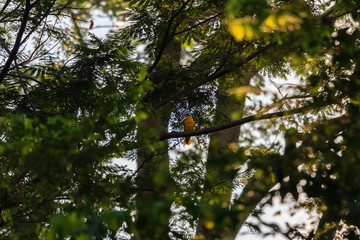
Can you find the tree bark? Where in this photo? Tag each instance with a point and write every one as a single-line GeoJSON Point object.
{"type": "Point", "coordinates": [220, 166]}
{"type": "Point", "coordinates": [155, 185]}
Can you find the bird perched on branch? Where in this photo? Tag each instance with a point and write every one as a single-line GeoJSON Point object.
{"type": "Point", "coordinates": [188, 126]}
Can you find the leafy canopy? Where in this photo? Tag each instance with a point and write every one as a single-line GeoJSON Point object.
{"type": "Point", "coordinates": [72, 102]}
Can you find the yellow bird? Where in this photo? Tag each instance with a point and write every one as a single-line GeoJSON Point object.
{"type": "Point", "coordinates": [188, 126]}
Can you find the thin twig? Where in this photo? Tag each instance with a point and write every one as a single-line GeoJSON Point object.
{"type": "Point", "coordinates": [167, 37]}
{"type": "Point", "coordinates": [29, 60]}
{"type": "Point", "coordinates": [45, 84]}
{"type": "Point", "coordinates": [47, 12]}
{"type": "Point", "coordinates": [151, 157]}
{"type": "Point", "coordinates": [198, 24]}
{"type": "Point", "coordinates": [22, 83]}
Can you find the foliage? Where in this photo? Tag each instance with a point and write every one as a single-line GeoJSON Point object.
{"type": "Point", "coordinates": [72, 102]}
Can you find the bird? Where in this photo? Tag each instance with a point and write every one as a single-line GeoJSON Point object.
{"type": "Point", "coordinates": [188, 126]}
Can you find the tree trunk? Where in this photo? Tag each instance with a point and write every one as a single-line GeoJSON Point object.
{"type": "Point", "coordinates": [155, 185]}
{"type": "Point", "coordinates": [221, 166]}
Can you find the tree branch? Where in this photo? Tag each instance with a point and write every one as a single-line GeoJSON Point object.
{"type": "Point", "coordinates": [166, 38]}
{"type": "Point", "coordinates": [17, 44]}
{"type": "Point", "coordinates": [150, 158]}
{"type": "Point", "coordinates": [5, 6]}
{"type": "Point", "coordinates": [235, 123]}
{"type": "Point", "coordinates": [22, 83]}
{"type": "Point", "coordinates": [45, 84]}
{"type": "Point", "coordinates": [47, 12]}
{"type": "Point", "coordinates": [211, 77]}
{"type": "Point", "coordinates": [198, 24]}
{"type": "Point", "coordinates": [219, 74]}
{"type": "Point", "coordinates": [162, 47]}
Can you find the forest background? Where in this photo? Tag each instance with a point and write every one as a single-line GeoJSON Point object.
{"type": "Point", "coordinates": [72, 102]}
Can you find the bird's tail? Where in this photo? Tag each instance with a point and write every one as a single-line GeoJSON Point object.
{"type": "Point", "coordinates": [187, 141]}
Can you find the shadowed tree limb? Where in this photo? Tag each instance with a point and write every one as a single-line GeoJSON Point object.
{"type": "Point", "coordinates": [22, 82]}
{"type": "Point", "coordinates": [166, 37]}
{"type": "Point", "coordinates": [5, 6]}
{"type": "Point", "coordinates": [198, 24]}
{"type": "Point", "coordinates": [211, 77]}
{"type": "Point", "coordinates": [17, 44]}
{"type": "Point", "coordinates": [163, 46]}
{"type": "Point", "coordinates": [238, 122]}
